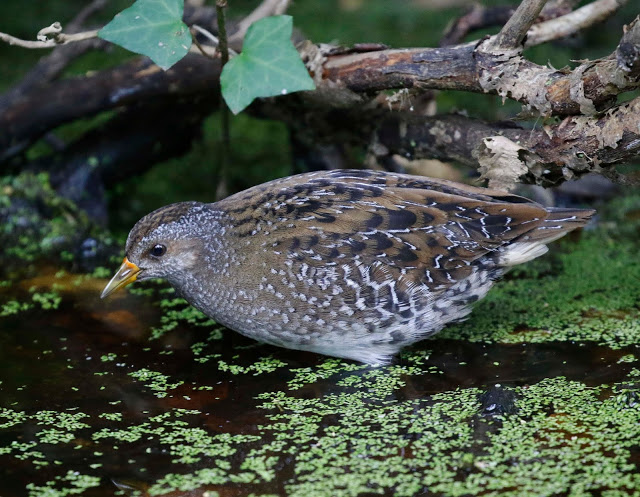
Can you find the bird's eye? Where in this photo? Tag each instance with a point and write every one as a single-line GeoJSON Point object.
{"type": "Point", "coordinates": [158, 250]}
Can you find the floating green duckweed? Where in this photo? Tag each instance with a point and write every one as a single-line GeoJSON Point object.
{"type": "Point", "coordinates": [261, 366]}
{"type": "Point", "coordinates": [155, 381]}
{"type": "Point", "coordinates": [9, 417]}
{"type": "Point", "coordinates": [362, 437]}
{"type": "Point", "coordinates": [14, 307]}
{"type": "Point", "coordinates": [326, 369]}
{"type": "Point", "coordinates": [178, 311]}
{"type": "Point", "coordinates": [75, 484]}
{"type": "Point", "coordinates": [47, 300]}
{"type": "Point", "coordinates": [337, 428]}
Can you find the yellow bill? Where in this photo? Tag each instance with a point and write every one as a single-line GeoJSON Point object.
{"type": "Point", "coordinates": [127, 273]}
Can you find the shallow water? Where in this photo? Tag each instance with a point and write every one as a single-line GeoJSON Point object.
{"type": "Point", "coordinates": [538, 393]}
{"type": "Point", "coordinates": [68, 371]}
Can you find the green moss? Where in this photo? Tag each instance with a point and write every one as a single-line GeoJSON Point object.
{"type": "Point", "coordinates": [37, 221]}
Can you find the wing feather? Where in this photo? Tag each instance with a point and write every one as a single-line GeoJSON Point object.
{"type": "Point", "coordinates": [421, 231]}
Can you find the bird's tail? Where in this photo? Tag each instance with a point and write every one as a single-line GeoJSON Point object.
{"type": "Point", "coordinates": [558, 223]}
{"type": "Point", "coordinates": [532, 244]}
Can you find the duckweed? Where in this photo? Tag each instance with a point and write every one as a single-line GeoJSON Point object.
{"type": "Point", "coordinates": [344, 429]}
{"type": "Point", "coordinates": [155, 381]}
{"type": "Point", "coordinates": [564, 305]}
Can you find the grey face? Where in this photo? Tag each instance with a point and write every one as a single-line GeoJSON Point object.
{"type": "Point", "coordinates": [167, 243]}
{"type": "Point", "coordinates": [168, 251]}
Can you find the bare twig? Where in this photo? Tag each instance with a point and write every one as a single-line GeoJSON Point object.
{"type": "Point", "coordinates": [478, 17]}
{"type": "Point", "coordinates": [50, 66]}
{"type": "Point", "coordinates": [207, 34]}
{"type": "Point", "coordinates": [85, 13]}
{"type": "Point", "coordinates": [199, 47]}
{"type": "Point", "coordinates": [511, 35]}
{"type": "Point", "coordinates": [265, 9]}
{"type": "Point", "coordinates": [49, 37]}
{"type": "Point", "coordinates": [572, 22]}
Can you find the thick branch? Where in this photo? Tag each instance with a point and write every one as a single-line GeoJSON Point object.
{"type": "Point", "coordinates": [548, 156]}
{"type": "Point", "coordinates": [136, 81]}
{"type": "Point", "coordinates": [590, 87]}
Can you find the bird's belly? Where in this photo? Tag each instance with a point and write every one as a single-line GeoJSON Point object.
{"type": "Point", "coordinates": [366, 326]}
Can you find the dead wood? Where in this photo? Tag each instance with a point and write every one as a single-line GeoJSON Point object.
{"type": "Point", "coordinates": [594, 131]}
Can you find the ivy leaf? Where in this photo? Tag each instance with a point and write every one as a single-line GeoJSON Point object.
{"type": "Point", "coordinates": [153, 28]}
{"type": "Point", "coordinates": [269, 65]}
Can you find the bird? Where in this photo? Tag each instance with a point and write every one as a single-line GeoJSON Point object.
{"type": "Point", "coordinates": [355, 264]}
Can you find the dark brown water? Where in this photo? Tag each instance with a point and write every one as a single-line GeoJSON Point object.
{"type": "Point", "coordinates": [86, 356]}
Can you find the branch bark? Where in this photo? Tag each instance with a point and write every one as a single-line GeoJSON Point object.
{"type": "Point", "coordinates": [129, 84]}
{"type": "Point", "coordinates": [347, 81]}
{"type": "Point", "coordinates": [547, 156]}
{"type": "Point", "coordinates": [476, 67]}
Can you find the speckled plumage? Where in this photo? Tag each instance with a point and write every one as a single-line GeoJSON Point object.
{"type": "Point", "coordinates": [348, 263]}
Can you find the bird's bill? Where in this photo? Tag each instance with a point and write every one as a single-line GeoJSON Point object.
{"type": "Point", "coordinates": [127, 273]}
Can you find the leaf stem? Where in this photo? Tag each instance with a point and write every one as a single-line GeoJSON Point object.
{"type": "Point", "coordinates": [223, 46]}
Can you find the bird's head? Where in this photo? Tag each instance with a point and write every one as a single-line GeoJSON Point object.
{"type": "Point", "coordinates": [166, 243]}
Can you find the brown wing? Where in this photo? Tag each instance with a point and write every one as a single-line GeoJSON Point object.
{"type": "Point", "coordinates": [412, 229]}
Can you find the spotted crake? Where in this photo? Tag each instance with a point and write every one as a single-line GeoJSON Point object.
{"type": "Point", "coordinates": [349, 263]}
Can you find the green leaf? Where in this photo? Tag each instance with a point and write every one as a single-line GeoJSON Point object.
{"type": "Point", "coordinates": [153, 28]}
{"type": "Point", "coordinates": [269, 65]}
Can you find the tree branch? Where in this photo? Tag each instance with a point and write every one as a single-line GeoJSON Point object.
{"type": "Point", "coordinates": [49, 37]}
{"type": "Point", "coordinates": [265, 9]}
{"type": "Point", "coordinates": [511, 35]}
{"type": "Point", "coordinates": [590, 87]}
{"type": "Point", "coordinates": [508, 154]}
{"type": "Point", "coordinates": [347, 80]}
{"type": "Point", "coordinates": [571, 23]}
{"type": "Point", "coordinates": [132, 83]}
{"type": "Point", "coordinates": [478, 17]}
